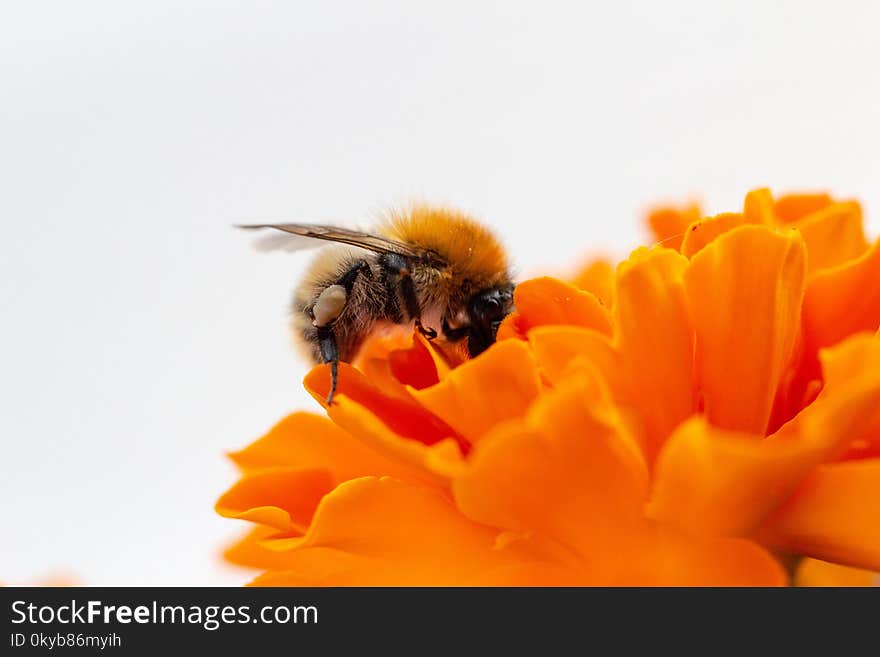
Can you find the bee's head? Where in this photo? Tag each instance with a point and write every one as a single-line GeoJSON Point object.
{"type": "Point", "coordinates": [486, 309]}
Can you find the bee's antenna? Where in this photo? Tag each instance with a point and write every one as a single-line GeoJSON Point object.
{"type": "Point", "coordinates": [666, 239]}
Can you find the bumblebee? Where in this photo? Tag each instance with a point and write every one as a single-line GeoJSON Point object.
{"type": "Point", "coordinates": [432, 268]}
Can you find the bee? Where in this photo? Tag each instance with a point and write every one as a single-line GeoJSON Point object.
{"type": "Point", "coordinates": [434, 269]}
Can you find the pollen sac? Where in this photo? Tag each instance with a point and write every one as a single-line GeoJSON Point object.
{"type": "Point", "coordinates": [329, 305]}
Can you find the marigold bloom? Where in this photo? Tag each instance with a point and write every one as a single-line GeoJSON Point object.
{"type": "Point", "coordinates": [682, 420]}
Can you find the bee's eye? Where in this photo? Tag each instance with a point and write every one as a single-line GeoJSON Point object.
{"type": "Point", "coordinates": [492, 304]}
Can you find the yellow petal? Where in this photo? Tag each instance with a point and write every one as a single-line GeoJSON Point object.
{"type": "Point", "coordinates": [745, 291]}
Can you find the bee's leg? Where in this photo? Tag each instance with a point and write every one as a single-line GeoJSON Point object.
{"type": "Point", "coordinates": [428, 332]}
{"type": "Point", "coordinates": [454, 334]}
{"type": "Point", "coordinates": [399, 265]}
{"type": "Point", "coordinates": [328, 306]}
{"type": "Point", "coordinates": [348, 279]}
{"type": "Point", "coordinates": [329, 354]}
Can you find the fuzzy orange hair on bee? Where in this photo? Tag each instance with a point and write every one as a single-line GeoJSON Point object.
{"type": "Point", "coordinates": [429, 267]}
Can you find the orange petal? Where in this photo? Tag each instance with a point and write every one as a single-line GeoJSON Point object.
{"type": "Point", "coordinates": [745, 291]}
{"type": "Point", "coordinates": [814, 572]}
{"type": "Point", "coordinates": [250, 552]}
{"type": "Point", "coordinates": [570, 472]}
{"type": "Point", "coordinates": [597, 277]}
{"type": "Point", "coordinates": [791, 207]}
{"type": "Point", "coordinates": [430, 464]}
{"type": "Point", "coordinates": [668, 224]}
{"type": "Point", "coordinates": [284, 499]}
{"type": "Point", "coordinates": [667, 557]}
{"type": "Point", "coordinates": [380, 344]}
{"type": "Point", "coordinates": [402, 416]}
{"type": "Point", "coordinates": [548, 301]}
{"type": "Point", "coordinates": [384, 532]}
{"type": "Point", "coordinates": [833, 235]}
{"type": "Point", "coordinates": [702, 232]}
{"type": "Point", "coordinates": [415, 362]}
{"type": "Point", "coordinates": [759, 208]}
{"type": "Point", "coordinates": [557, 347]}
{"type": "Point", "coordinates": [843, 300]}
{"type": "Point", "coordinates": [307, 441]}
{"type": "Point", "coordinates": [719, 482]}
{"type": "Point", "coordinates": [853, 358]}
{"type": "Point", "coordinates": [655, 339]}
{"type": "Point", "coordinates": [498, 385]}
{"type": "Point", "coordinates": [572, 475]}
{"type": "Point", "coordinates": [834, 515]}
{"type": "Point", "coordinates": [391, 363]}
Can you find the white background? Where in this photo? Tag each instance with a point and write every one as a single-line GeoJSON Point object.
{"type": "Point", "coordinates": [142, 337]}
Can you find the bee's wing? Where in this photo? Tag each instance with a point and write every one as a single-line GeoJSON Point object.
{"type": "Point", "coordinates": [294, 237]}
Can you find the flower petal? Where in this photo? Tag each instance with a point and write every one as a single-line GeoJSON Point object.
{"type": "Point", "coordinates": [814, 572]}
{"type": "Point", "coordinates": [702, 232]}
{"type": "Point", "coordinates": [307, 441]}
{"type": "Point", "coordinates": [548, 301]}
{"type": "Point", "coordinates": [843, 300]}
{"type": "Point", "coordinates": [834, 515]}
{"type": "Point", "coordinates": [597, 277]}
{"type": "Point", "coordinates": [759, 208]}
{"type": "Point", "coordinates": [284, 498]}
{"type": "Point", "coordinates": [570, 472]}
{"type": "Point", "coordinates": [718, 482]}
{"type": "Point", "coordinates": [714, 481]}
{"type": "Point", "coordinates": [668, 224]}
{"type": "Point", "coordinates": [791, 207]}
{"type": "Point", "coordinates": [833, 235]}
{"type": "Point", "coordinates": [655, 339]}
{"type": "Point", "coordinates": [673, 558]}
{"type": "Point", "coordinates": [572, 475]}
{"type": "Point", "coordinates": [745, 291]}
{"type": "Point", "coordinates": [857, 357]}
{"type": "Point", "coordinates": [430, 464]}
{"type": "Point", "coordinates": [557, 347]}
{"type": "Point", "coordinates": [384, 532]}
{"type": "Point", "coordinates": [498, 385]}
{"type": "Point", "coordinates": [250, 552]}
{"type": "Point", "coordinates": [403, 416]}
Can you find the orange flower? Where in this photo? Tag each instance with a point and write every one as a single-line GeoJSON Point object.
{"type": "Point", "coordinates": [719, 406]}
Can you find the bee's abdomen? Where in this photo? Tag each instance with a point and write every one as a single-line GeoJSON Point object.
{"type": "Point", "coordinates": [366, 301]}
